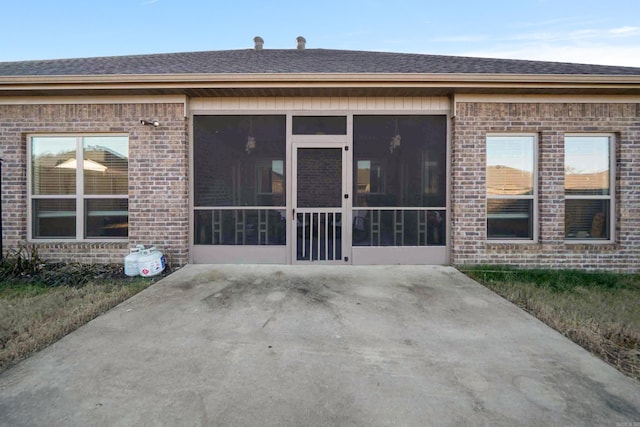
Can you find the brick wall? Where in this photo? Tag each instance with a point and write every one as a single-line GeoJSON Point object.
{"type": "Point", "coordinates": [550, 122]}
{"type": "Point", "coordinates": [158, 171]}
{"type": "Point", "coordinates": [319, 177]}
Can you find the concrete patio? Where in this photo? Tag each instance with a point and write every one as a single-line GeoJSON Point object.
{"type": "Point", "coordinates": [292, 346]}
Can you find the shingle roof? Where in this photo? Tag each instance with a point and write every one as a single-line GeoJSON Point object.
{"type": "Point", "coordinates": [249, 61]}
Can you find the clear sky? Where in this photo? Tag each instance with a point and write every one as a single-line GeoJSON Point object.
{"type": "Point", "coordinates": [585, 31]}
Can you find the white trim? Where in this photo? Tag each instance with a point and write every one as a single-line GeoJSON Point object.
{"type": "Point", "coordinates": [316, 141]}
{"type": "Point", "coordinates": [289, 191]}
{"type": "Point", "coordinates": [449, 188]}
{"type": "Point", "coordinates": [66, 100]}
{"type": "Point", "coordinates": [399, 208]}
{"type": "Point", "coordinates": [238, 208]}
{"type": "Point", "coordinates": [190, 185]}
{"type": "Point", "coordinates": [407, 255]}
{"type": "Point", "coordinates": [548, 99]}
{"type": "Point", "coordinates": [204, 80]}
{"type": "Point", "coordinates": [588, 197]}
{"type": "Point", "coordinates": [238, 254]}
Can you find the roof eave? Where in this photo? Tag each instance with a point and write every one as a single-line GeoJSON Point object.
{"type": "Point", "coordinates": [289, 82]}
{"type": "Point", "coordinates": [321, 77]}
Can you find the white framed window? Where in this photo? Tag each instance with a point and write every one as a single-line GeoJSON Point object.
{"type": "Point", "coordinates": [511, 177]}
{"type": "Point", "coordinates": [78, 203]}
{"type": "Point", "coordinates": [370, 176]}
{"type": "Point", "coordinates": [589, 187]}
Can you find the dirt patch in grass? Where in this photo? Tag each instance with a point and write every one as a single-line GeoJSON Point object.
{"type": "Point", "coordinates": [598, 311]}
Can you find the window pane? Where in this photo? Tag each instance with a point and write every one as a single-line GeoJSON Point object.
{"type": "Point", "coordinates": [270, 184]}
{"type": "Point", "coordinates": [106, 218]}
{"type": "Point", "coordinates": [240, 227]}
{"type": "Point", "coordinates": [399, 161]}
{"type": "Point", "coordinates": [53, 161]}
{"type": "Point", "coordinates": [233, 158]}
{"type": "Point", "coordinates": [510, 165]}
{"type": "Point", "coordinates": [370, 177]}
{"type": "Point", "coordinates": [509, 219]}
{"type": "Point", "coordinates": [372, 227]}
{"type": "Point", "coordinates": [319, 125]}
{"type": "Point", "coordinates": [106, 165]}
{"type": "Point", "coordinates": [54, 218]}
{"type": "Point", "coordinates": [587, 219]}
{"type": "Point", "coordinates": [586, 165]}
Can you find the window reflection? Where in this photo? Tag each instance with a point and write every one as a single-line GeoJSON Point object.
{"type": "Point", "coordinates": [370, 177]}
{"type": "Point", "coordinates": [53, 170]}
{"type": "Point", "coordinates": [588, 186]}
{"type": "Point", "coordinates": [510, 187]}
{"type": "Point", "coordinates": [586, 165]}
{"type": "Point", "coordinates": [510, 165]}
{"type": "Point", "coordinates": [106, 165]}
{"type": "Point", "coordinates": [59, 165]}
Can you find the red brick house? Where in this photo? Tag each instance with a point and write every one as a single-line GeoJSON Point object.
{"type": "Point", "coordinates": [313, 155]}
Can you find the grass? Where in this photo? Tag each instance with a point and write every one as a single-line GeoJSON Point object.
{"type": "Point", "coordinates": [599, 311]}
{"type": "Point", "coordinates": [42, 302]}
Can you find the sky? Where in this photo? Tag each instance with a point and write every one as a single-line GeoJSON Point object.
{"type": "Point", "coordinates": [583, 31]}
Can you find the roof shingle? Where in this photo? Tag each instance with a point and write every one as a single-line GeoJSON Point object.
{"type": "Point", "coordinates": [283, 61]}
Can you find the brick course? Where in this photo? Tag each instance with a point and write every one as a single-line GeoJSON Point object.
{"type": "Point", "coordinates": [158, 174]}
{"type": "Point", "coordinates": [474, 120]}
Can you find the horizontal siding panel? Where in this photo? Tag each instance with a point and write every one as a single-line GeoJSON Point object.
{"type": "Point", "coordinates": [335, 103]}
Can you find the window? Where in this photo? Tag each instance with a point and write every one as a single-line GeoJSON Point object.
{"type": "Point", "coordinates": [588, 187]}
{"type": "Point", "coordinates": [68, 202]}
{"type": "Point", "coordinates": [370, 178]}
{"type": "Point", "coordinates": [511, 188]}
{"type": "Point", "coordinates": [319, 125]}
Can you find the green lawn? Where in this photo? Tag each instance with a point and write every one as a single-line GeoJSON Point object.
{"type": "Point", "coordinates": [599, 311]}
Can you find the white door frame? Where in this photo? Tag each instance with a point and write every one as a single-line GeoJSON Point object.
{"type": "Point", "coordinates": [333, 142]}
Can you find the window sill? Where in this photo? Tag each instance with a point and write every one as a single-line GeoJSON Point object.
{"type": "Point", "coordinates": [498, 242]}
{"type": "Point", "coordinates": [74, 241]}
{"type": "Point", "coordinates": [588, 242]}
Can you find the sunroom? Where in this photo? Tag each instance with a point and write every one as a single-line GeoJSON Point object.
{"type": "Point", "coordinates": [319, 187]}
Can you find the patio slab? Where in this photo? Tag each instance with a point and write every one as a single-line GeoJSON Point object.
{"type": "Point", "coordinates": [315, 346]}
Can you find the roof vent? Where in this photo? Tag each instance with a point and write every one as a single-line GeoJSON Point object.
{"type": "Point", "coordinates": [259, 42]}
{"type": "Point", "coordinates": [301, 42]}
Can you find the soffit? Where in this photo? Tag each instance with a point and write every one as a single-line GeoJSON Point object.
{"type": "Point", "coordinates": [205, 85]}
